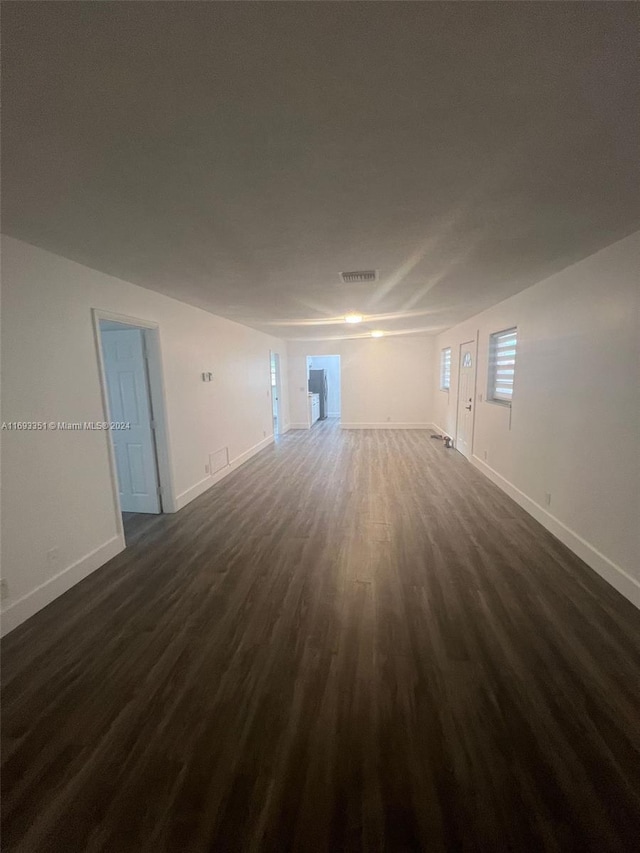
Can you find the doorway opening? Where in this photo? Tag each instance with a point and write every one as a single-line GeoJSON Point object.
{"type": "Point", "coordinates": [323, 383]}
{"type": "Point", "coordinates": [466, 398]}
{"type": "Point", "coordinates": [274, 362]}
{"type": "Point", "coordinates": [134, 409]}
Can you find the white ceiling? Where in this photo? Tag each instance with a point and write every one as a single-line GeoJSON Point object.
{"type": "Point", "coordinates": [238, 156]}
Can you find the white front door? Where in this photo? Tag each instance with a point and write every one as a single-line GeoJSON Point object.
{"type": "Point", "coordinates": [466, 393]}
{"type": "Point", "coordinates": [128, 388]}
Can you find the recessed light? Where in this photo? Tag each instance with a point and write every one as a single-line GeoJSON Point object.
{"type": "Point", "coordinates": [377, 333]}
{"type": "Point", "coordinates": [353, 318]}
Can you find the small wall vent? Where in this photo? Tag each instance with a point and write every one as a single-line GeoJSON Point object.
{"type": "Point", "coordinates": [218, 460]}
{"type": "Point", "coordinates": [359, 276]}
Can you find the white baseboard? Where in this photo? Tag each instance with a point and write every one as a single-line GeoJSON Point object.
{"type": "Point", "coordinates": [285, 429]}
{"type": "Point", "coordinates": [18, 611]}
{"type": "Point", "coordinates": [200, 487]}
{"type": "Point", "coordinates": [197, 489]}
{"type": "Point", "coordinates": [606, 568]}
{"type": "Point", "coordinates": [387, 426]}
{"type": "Point", "coordinates": [300, 426]}
{"type": "Point", "coordinates": [439, 430]}
{"type": "Point", "coordinates": [244, 457]}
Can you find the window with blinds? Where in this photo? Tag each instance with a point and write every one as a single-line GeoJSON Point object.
{"type": "Point", "coordinates": [502, 365]}
{"type": "Point", "coordinates": [445, 369]}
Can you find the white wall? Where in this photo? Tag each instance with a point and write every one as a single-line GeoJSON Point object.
{"type": "Point", "coordinates": [575, 419]}
{"type": "Point", "coordinates": [385, 382]}
{"type": "Point", "coordinates": [330, 363]}
{"type": "Point", "coordinates": [56, 489]}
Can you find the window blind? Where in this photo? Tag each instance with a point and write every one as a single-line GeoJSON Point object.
{"type": "Point", "coordinates": [445, 369]}
{"type": "Point", "coordinates": [502, 364]}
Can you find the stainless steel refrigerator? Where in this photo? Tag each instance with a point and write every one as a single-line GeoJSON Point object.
{"type": "Point", "coordinates": [318, 385]}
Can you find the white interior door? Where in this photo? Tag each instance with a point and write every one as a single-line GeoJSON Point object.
{"type": "Point", "coordinates": [466, 393]}
{"type": "Point", "coordinates": [128, 389]}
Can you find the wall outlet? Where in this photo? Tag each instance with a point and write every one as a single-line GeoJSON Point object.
{"type": "Point", "coordinates": [4, 589]}
{"type": "Point", "coordinates": [547, 498]}
{"type": "Point", "coordinates": [53, 555]}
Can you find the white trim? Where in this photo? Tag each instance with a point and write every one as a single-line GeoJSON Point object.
{"type": "Point", "coordinates": [124, 318]}
{"type": "Point", "coordinates": [244, 457]}
{"type": "Point", "coordinates": [198, 488]}
{"type": "Point", "coordinates": [606, 568]}
{"type": "Point", "coordinates": [438, 429]}
{"type": "Point", "coordinates": [284, 429]}
{"type": "Point", "coordinates": [201, 486]}
{"type": "Point", "coordinates": [161, 417]}
{"type": "Point", "coordinates": [300, 426]}
{"type": "Point", "coordinates": [104, 396]}
{"type": "Point", "coordinates": [388, 425]}
{"type": "Point", "coordinates": [16, 613]}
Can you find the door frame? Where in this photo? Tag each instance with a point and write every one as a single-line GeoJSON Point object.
{"type": "Point", "coordinates": [474, 395]}
{"type": "Point", "coordinates": [326, 355]}
{"type": "Point", "coordinates": [151, 334]}
{"type": "Point", "coordinates": [273, 355]}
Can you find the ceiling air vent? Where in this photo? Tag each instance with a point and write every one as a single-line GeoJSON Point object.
{"type": "Point", "coordinates": [359, 276]}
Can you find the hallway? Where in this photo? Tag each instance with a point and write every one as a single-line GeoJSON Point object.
{"type": "Point", "coordinates": [353, 642]}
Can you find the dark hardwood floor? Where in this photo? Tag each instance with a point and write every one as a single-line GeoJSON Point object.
{"type": "Point", "coordinates": [354, 642]}
{"type": "Point", "coordinates": [138, 524]}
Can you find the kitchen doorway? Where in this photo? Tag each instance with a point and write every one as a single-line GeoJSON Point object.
{"type": "Point", "coordinates": [276, 395]}
{"type": "Point", "coordinates": [324, 388]}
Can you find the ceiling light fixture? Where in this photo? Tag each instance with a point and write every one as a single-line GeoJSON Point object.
{"type": "Point", "coordinates": [353, 318]}
{"type": "Point", "coordinates": [377, 333]}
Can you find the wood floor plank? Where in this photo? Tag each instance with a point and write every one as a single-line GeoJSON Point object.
{"type": "Point", "coordinates": [354, 642]}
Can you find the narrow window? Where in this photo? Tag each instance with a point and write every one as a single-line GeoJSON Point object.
{"type": "Point", "coordinates": [445, 369]}
{"type": "Point", "coordinates": [502, 365]}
